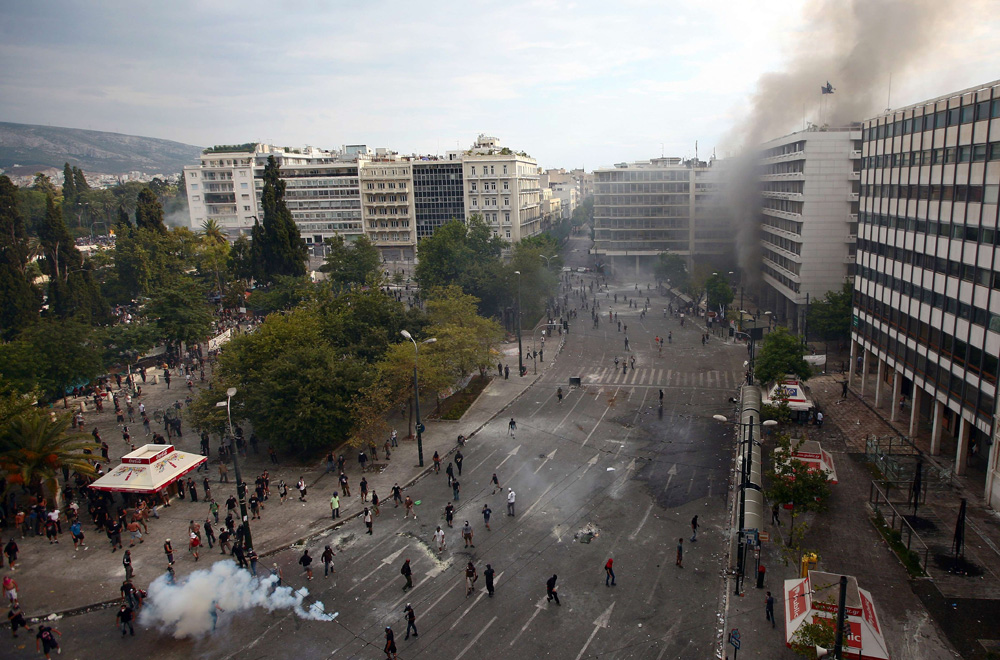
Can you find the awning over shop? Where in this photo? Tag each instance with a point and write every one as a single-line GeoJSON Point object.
{"type": "Point", "coordinates": [814, 599]}
{"type": "Point", "coordinates": [812, 454]}
{"type": "Point", "coordinates": [149, 469]}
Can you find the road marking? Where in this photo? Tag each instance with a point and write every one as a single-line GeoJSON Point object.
{"type": "Point", "coordinates": [513, 452]}
{"type": "Point", "coordinates": [378, 547]}
{"type": "Point", "coordinates": [634, 374]}
{"type": "Point", "coordinates": [537, 410]}
{"type": "Point", "coordinates": [599, 622]}
{"type": "Point", "coordinates": [476, 638]}
{"type": "Point", "coordinates": [547, 459]}
{"type": "Point", "coordinates": [659, 376]}
{"type": "Point", "coordinates": [385, 562]}
{"type": "Point", "coordinates": [445, 593]}
{"type": "Point", "coordinates": [635, 421]}
{"type": "Point", "coordinates": [578, 402]}
{"type": "Point", "coordinates": [538, 608]}
{"type": "Point", "coordinates": [544, 493]}
{"type": "Point", "coordinates": [634, 535]}
{"type": "Point", "coordinates": [591, 463]}
{"type": "Point", "coordinates": [606, 409]}
{"type": "Point", "coordinates": [671, 473]}
{"type": "Point", "coordinates": [622, 480]}
{"type": "Point", "coordinates": [659, 574]}
{"type": "Point", "coordinates": [478, 598]}
{"type": "Point", "coordinates": [670, 374]}
{"type": "Point", "coordinates": [477, 465]}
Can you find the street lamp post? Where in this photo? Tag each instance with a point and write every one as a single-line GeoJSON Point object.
{"type": "Point", "coordinates": [548, 260]}
{"type": "Point", "coordinates": [520, 352]}
{"type": "Point", "coordinates": [744, 483]}
{"type": "Point", "coordinates": [416, 393]}
{"type": "Point", "coordinates": [241, 488]}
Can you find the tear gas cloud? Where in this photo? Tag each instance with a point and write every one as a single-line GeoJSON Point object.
{"type": "Point", "coordinates": [187, 608]}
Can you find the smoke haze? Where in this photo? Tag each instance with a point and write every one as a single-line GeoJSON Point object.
{"type": "Point", "coordinates": [855, 45]}
{"type": "Point", "coordinates": [186, 609]}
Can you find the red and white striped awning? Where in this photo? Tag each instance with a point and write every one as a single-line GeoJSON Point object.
{"type": "Point", "coordinates": [149, 469]}
{"type": "Point", "coordinates": [814, 599]}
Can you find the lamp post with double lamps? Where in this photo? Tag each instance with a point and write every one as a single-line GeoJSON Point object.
{"type": "Point", "coordinates": [241, 488]}
{"type": "Point", "coordinates": [416, 393]}
{"type": "Point", "coordinates": [520, 352]}
{"type": "Point", "coordinates": [747, 443]}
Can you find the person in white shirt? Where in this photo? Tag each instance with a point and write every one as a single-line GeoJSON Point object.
{"type": "Point", "coordinates": [510, 502]}
{"type": "Point", "coordinates": [439, 539]}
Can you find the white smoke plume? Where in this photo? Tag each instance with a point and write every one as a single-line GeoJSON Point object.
{"type": "Point", "coordinates": [188, 608]}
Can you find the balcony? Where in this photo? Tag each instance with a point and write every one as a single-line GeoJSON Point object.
{"type": "Point", "coordinates": [853, 197]}
{"type": "Point", "coordinates": [854, 176]}
{"type": "Point", "coordinates": [782, 214]}
{"type": "Point", "coordinates": [850, 259]}
{"type": "Point", "coordinates": [781, 195]}
{"type": "Point", "coordinates": [784, 176]}
{"type": "Point", "coordinates": [851, 238]}
{"type": "Point", "coordinates": [855, 154]}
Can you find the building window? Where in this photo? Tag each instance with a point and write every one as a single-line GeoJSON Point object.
{"type": "Point", "coordinates": [246, 208]}
{"type": "Point", "coordinates": [504, 169]}
{"type": "Point", "coordinates": [194, 186]}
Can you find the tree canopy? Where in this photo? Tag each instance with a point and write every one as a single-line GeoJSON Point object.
{"type": "Point", "coordinates": [276, 242]}
{"type": "Point", "coordinates": [719, 293]}
{"type": "Point", "coordinates": [149, 212]}
{"type": "Point", "coordinates": [795, 483]}
{"type": "Point", "coordinates": [19, 300]}
{"type": "Point", "coordinates": [352, 263]}
{"type": "Point", "coordinates": [781, 353]}
{"type": "Point", "coordinates": [830, 318]}
{"type": "Point", "coordinates": [672, 268]}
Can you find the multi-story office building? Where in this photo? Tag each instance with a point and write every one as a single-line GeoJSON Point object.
{"type": "Point", "coordinates": [438, 193]}
{"type": "Point", "coordinates": [662, 205]}
{"type": "Point", "coordinates": [809, 217]}
{"type": "Point", "coordinates": [388, 207]}
{"type": "Point", "coordinates": [926, 303]}
{"type": "Point", "coordinates": [321, 190]}
{"type": "Point", "coordinates": [502, 186]}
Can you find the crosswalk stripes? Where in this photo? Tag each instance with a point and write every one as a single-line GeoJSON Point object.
{"type": "Point", "coordinates": [710, 379]}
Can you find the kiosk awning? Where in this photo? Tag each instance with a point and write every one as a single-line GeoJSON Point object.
{"type": "Point", "coordinates": [814, 599]}
{"type": "Point", "coordinates": [149, 469]}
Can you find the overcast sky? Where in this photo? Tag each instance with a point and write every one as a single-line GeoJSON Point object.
{"type": "Point", "coordinates": [575, 84]}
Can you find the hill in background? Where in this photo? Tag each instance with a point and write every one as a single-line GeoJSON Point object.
{"type": "Point", "coordinates": [35, 148]}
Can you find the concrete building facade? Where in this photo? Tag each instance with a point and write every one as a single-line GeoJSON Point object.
{"type": "Point", "coordinates": [809, 184]}
{"type": "Point", "coordinates": [646, 208]}
{"type": "Point", "coordinates": [926, 303]}
{"type": "Point", "coordinates": [388, 207]}
{"type": "Point", "coordinates": [502, 186]}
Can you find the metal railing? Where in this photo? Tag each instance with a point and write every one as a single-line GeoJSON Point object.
{"type": "Point", "coordinates": [878, 500]}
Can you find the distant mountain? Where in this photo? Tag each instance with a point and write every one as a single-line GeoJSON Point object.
{"type": "Point", "coordinates": [35, 148]}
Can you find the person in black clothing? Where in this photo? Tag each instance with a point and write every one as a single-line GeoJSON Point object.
{"type": "Point", "coordinates": [458, 461]}
{"type": "Point", "coordinates": [17, 620]}
{"type": "Point", "coordinates": [306, 562]}
{"type": "Point", "coordinates": [390, 644]}
{"type": "Point", "coordinates": [410, 621]}
{"type": "Point", "coordinates": [407, 573]}
{"type": "Point", "coordinates": [124, 619]}
{"type": "Point", "coordinates": [551, 591]}
{"type": "Point", "coordinates": [488, 574]}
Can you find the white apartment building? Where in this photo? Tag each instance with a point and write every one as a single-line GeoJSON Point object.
{"type": "Point", "coordinates": [926, 304]}
{"type": "Point", "coordinates": [388, 207]}
{"type": "Point", "coordinates": [563, 185]}
{"type": "Point", "coordinates": [322, 189]}
{"type": "Point", "coordinates": [502, 186]}
{"type": "Point", "coordinates": [809, 217]}
{"type": "Point", "coordinates": [646, 208]}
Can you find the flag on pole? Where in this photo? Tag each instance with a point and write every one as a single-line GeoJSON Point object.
{"type": "Point", "coordinates": [827, 89]}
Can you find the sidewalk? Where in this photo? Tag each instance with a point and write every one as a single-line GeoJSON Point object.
{"type": "Point", "coordinates": [57, 579]}
{"type": "Point", "coordinates": [927, 618]}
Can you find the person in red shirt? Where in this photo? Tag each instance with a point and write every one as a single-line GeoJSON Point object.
{"type": "Point", "coordinates": [609, 580]}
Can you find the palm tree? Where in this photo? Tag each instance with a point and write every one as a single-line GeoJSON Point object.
{"type": "Point", "coordinates": [36, 447]}
{"type": "Point", "coordinates": [212, 230]}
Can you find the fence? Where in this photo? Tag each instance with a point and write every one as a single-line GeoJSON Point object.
{"type": "Point", "coordinates": [880, 504]}
{"type": "Point", "coordinates": [896, 459]}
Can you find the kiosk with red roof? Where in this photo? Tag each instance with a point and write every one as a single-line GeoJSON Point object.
{"type": "Point", "coordinates": [814, 599]}
{"type": "Point", "coordinates": [149, 469]}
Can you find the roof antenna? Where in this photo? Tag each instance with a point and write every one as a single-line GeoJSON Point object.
{"type": "Point", "coordinates": [696, 150]}
{"type": "Point", "coordinates": [661, 150]}
{"type": "Point", "coordinates": [888, 98]}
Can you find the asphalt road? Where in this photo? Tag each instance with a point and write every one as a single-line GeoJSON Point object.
{"type": "Point", "coordinates": [607, 458]}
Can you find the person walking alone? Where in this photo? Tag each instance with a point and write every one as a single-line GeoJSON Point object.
{"type": "Point", "coordinates": [306, 561]}
{"type": "Point", "coordinates": [439, 539]}
{"type": "Point", "coordinates": [470, 579]}
{"type": "Point", "coordinates": [411, 619]}
{"type": "Point", "coordinates": [327, 559]}
{"type": "Point", "coordinates": [680, 553]}
{"type": "Point", "coordinates": [124, 619]}
{"type": "Point", "coordinates": [511, 427]}
{"type": "Point", "coordinates": [407, 573]}
{"type": "Point", "coordinates": [487, 512]}
{"type": "Point", "coordinates": [769, 608]}
{"type": "Point", "coordinates": [467, 535]}
{"type": "Point", "coordinates": [609, 573]}
{"type": "Point", "coordinates": [368, 520]}
{"type": "Point", "coordinates": [488, 575]}
{"type": "Point", "coordinates": [510, 502]}
{"type": "Point", "coordinates": [694, 529]}
{"type": "Point", "coordinates": [551, 591]}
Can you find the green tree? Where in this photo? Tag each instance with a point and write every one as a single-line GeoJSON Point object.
{"type": "Point", "coordinates": [34, 448]}
{"type": "Point", "coordinates": [830, 318]}
{"type": "Point", "coordinates": [125, 343]}
{"type": "Point", "coordinates": [52, 356]}
{"type": "Point", "coordinates": [719, 293]}
{"type": "Point", "coordinates": [69, 185]}
{"type": "Point", "coordinates": [180, 312]}
{"type": "Point", "coordinates": [294, 385]}
{"type": "Point", "coordinates": [80, 184]}
{"type": "Point", "coordinates": [285, 293]}
{"type": "Point", "coordinates": [780, 354]}
{"type": "Point", "coordinates": [149, 212]}
{"type": "Point", "coordinates": [466, 341]}
{"type": "Point", "coordinates": [19, 300]}
{"type": "Point", "coordinates": [72, 289]}
{"type": "Point", "coordinates": [281, 249]}
{"type": "Point", "coordinates": [353, 263]}
{"type": "Point", "coordinates": [672, 268]}
{"type": "Point", "coordinates": [240, 262]}
{"type": "Point", "coordinates": [795, 483]}
{"type": "Point", "coordinates": [43, 184]}
{"type": "Point", "coordinates": [467, 255]}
